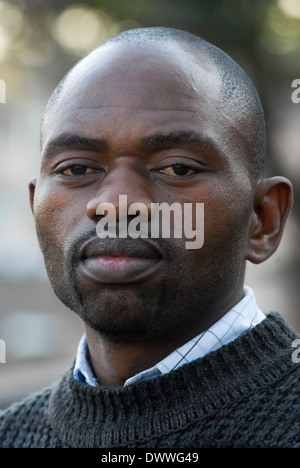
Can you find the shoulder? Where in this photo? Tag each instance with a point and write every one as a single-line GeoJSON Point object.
{"type": "Point", "coordinates": [26, 423]}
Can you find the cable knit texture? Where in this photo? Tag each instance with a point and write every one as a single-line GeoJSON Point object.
{"type": "Point", "coordinates": [244, 395]}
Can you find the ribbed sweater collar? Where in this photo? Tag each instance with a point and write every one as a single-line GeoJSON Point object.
{"type": "Point", "coordinates": [84, 416]}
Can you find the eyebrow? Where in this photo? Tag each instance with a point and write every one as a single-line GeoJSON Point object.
{"type": "Point", "coordinates": [67, 141]}
{"type": "Point", "coordinates": [187, 139]}
{"type": "Point", "coordinates": [155, 142]}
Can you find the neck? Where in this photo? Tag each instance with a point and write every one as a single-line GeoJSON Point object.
{"type": "Point", "coordinates": [113, 363]}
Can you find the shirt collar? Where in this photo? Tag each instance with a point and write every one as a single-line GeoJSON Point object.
{"type": "Point", "coordinates": [242, 317]}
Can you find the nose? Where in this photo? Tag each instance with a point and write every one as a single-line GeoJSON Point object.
{"type": "Point", "coordinates": [124, 188]}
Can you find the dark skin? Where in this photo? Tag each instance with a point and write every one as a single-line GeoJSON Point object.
{"type": "Point", "coordinates": [139, 122]}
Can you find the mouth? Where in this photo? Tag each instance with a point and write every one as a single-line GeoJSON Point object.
{"type": "Point", "coordinates": [117, 261]}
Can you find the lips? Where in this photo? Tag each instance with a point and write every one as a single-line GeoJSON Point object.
{"type": "Point", "coordinates": [116, 261]}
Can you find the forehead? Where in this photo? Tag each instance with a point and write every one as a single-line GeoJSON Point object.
{"type": "Point", "coordinates": [118, 75]}
{"type": "Point", "coordinates": [118, 78]}
{"type": "Point", "coordinates": [122, 93]}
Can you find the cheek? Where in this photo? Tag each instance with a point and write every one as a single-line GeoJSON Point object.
{"type": "Point", "coordinates": [225, 224]}
{"type": "Point", "coordinates": [54, 215]}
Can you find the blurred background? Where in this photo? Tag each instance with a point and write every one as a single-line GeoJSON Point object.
{"type": "Point", "coordinates": [39, 41]}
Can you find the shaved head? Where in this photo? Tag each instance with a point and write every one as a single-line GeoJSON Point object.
{"type": "Point", "coordinates": [238, 94]}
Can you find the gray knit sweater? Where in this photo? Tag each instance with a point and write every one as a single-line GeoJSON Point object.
{"type": "Point", "coordinates": [246, 394]}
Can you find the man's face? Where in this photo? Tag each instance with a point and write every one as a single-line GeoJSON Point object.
{"type": "Point", "coordinates": [148, 124]}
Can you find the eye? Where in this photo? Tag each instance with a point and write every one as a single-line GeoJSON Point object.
{"type": "Point", "coordinates": [179, 170]}
{"type": "Point", "coordinates": [77, 170]}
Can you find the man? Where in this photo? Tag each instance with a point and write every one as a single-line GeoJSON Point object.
{"type": "Point", "coordinates": [176, 352]}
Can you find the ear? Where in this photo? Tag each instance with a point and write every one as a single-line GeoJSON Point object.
{"type": "Point", "coordinates": [32, 185]}
{"type": "Point", "coordinates": [272, 205]}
